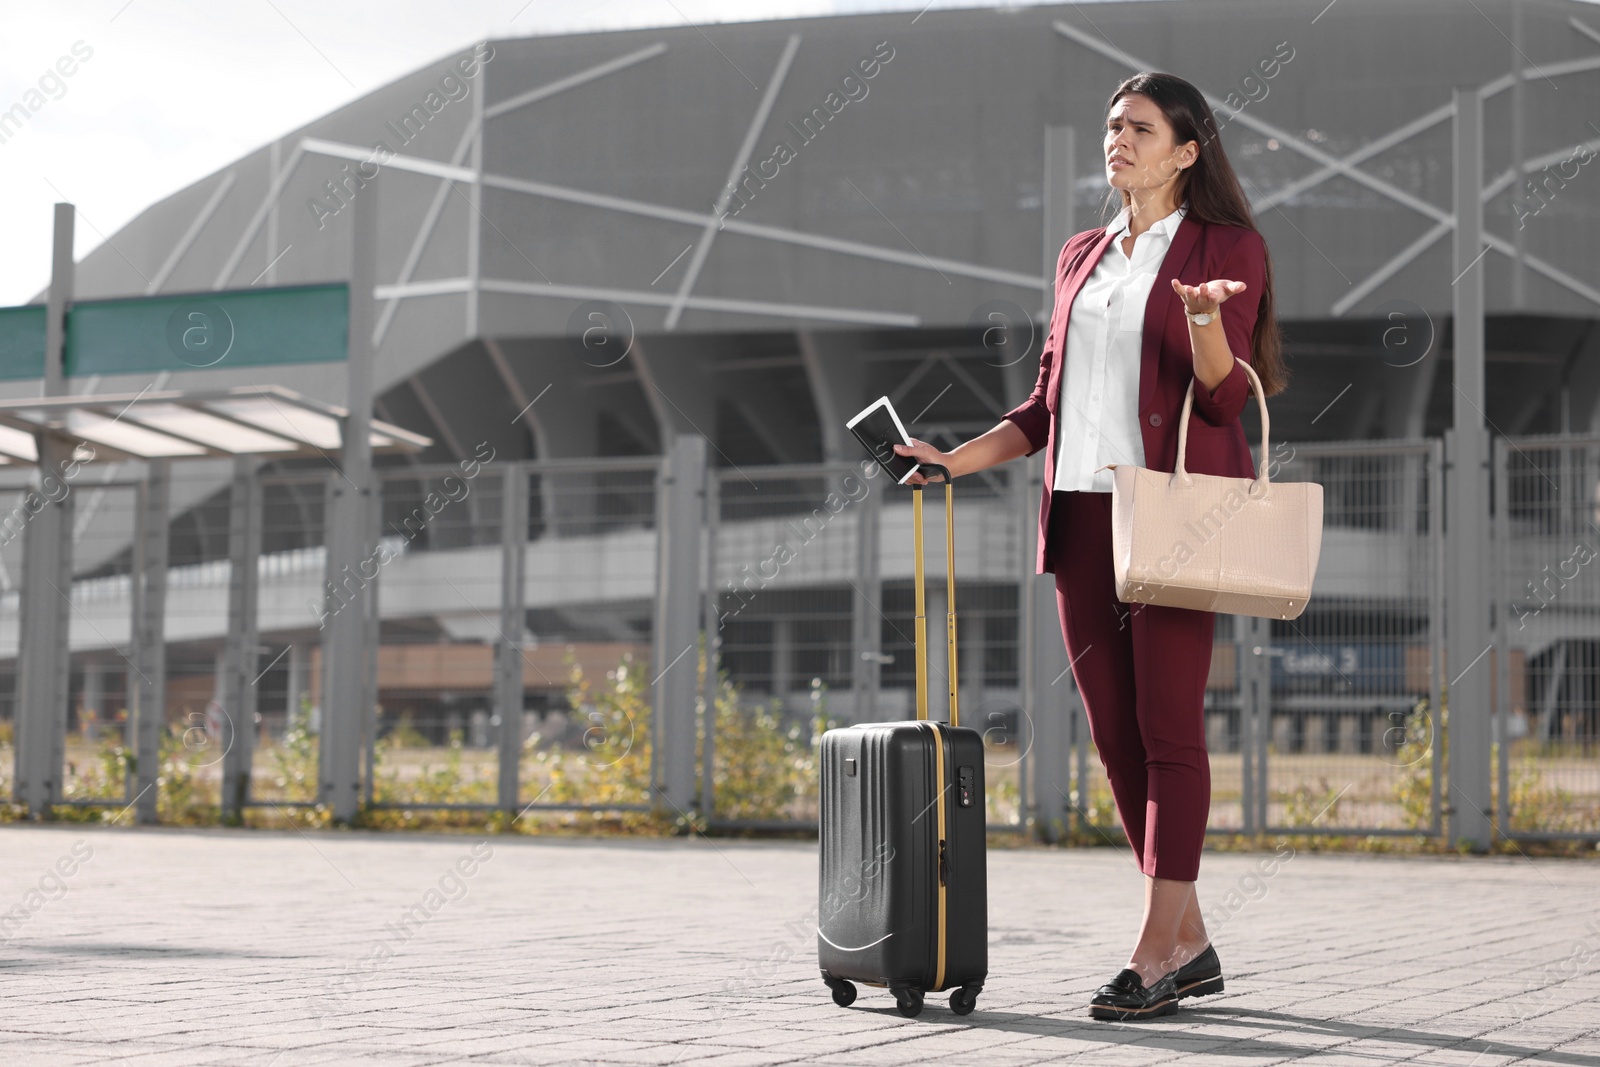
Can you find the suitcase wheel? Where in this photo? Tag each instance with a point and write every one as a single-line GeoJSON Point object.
{"type": "Point", "coordinates": [844, 993]}
{"type": "Point", "coordinates": [963, 1000]}
{"type": "Point", "coordinates": [909, 1001]}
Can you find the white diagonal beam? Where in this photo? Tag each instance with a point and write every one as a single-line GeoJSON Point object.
{"type": "Point", "coordinates": [708, 232]}
{"type": "Point", "coordinates": [1423, 243]}
{"type": "Point", "coordinates": [573, 80]}
{"type": "Point", "coordinates": [443, 286]}
{"type": "Point", "coordinates": [191, 233]}
{"type": "Point", "coordinates": [430, 219]}
{"type": "Point", "coordinates": [1418, 125]}
{"type": "Point", "coordinates": [1261, 126]}
{"type": "Point", "coordinates": [706, 303]}
{"type": "Point", "coordinates": [770, 233]}
{"type": "Point", "coordinates": [1365, 152]}
{"type": "Point", "coordinates": [249, 234]}
{"type": "Point", "coordinates": [1444, 220]}
{"type": "Point", "coordinates": [1390, 268]}
{"type": "Point", "coordinates": [627, 206]}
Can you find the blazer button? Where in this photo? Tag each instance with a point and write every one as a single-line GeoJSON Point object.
{"type": "Point", "coordinates": [1155, 419]}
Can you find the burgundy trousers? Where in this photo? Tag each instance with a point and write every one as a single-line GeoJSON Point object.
{"type": "Point", "coordinates": [1141, 669]}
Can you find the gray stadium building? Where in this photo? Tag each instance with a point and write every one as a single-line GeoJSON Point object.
{"type": "Point", "coordinates": [597, 250]}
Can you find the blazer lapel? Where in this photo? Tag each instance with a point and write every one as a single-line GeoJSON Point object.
{"type": "Point", "coordinates": [1076, 274]}
{"type": "Point", "coordinates": [1160, 302]}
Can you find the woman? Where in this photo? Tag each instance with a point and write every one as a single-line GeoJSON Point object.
{"type": "Point", "coordinates": [1168, 294]}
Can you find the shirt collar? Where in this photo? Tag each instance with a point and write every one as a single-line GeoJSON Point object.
{"type": "Point", "coordinates": [1165, 226]}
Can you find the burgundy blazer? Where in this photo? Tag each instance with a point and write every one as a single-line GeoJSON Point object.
{"type": "Point", "coordinates": [1198, 253]}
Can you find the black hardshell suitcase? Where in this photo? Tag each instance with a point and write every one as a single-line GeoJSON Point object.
{"type": "Point", "coordinates": [904, 879]}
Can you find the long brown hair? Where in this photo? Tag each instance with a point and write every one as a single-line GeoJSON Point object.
{"type": "Point", "coordinates": [1212, 191]}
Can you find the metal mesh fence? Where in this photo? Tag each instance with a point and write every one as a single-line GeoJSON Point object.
{"type": "Point", "coordinates": [1337, 737]}
{"type": "Point", "coordinates": [439, 592]}
{"type": "Point", "coordinates": [811, 607]}
{"type": "Point", "coordinates": [589, 562]}
{"type": "Point", "coordinates": [813, 577]}
{"type": "Point", "coordinates": [288, 608]}
{"type": "Point", "coordinates": [98, 718]}
{"type": "Point", "coordinates": [1548, 618]}
{"type": "Point", "coordinates": [1355, 680]}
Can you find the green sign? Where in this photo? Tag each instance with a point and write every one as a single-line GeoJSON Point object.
{"type": "Point", "coordinates": [195, 331]}
{"type": "Point", "coordinates": [22, 342]}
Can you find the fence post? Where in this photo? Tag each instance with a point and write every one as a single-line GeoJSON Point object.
{"type": "Point", "coordinates": [1253, 641]}
{"type": "Point", "coordinates": [508, 653]}
{"type": "Point", "coordinates": [712, 627]}
{"type": "Point", "coordinates": [1048, 698]}
{"type": "Point", "coordinates": [866, 622]}
{"type": "Point", "coordinates": [1498, 595]}
{"type": "Point", "coordinates": [1467, 450]}
{"type": "Point", "coordinates": [681, 524]}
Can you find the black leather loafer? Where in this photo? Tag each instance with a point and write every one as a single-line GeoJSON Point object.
{"type": "Point", "coordinates": [1201, 976]}
{"type": "Point", "coordinates": [1125, 997]}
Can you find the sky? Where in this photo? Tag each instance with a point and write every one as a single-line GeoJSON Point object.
{"type": "Point", "coordinates": [163, 92]}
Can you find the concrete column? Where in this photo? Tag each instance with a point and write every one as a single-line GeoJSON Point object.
{"type": "Point", "coordinates": [150, 640]}
{"type": "Point", "coordinates": [345, 690]}
{"type": "Point", "coordinates": [45, 607]}
{"type": "Point", "coordinates": [238, 688]}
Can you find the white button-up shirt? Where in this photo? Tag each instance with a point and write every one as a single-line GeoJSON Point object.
{"type": "Point", "coordinates": [1099, 406]}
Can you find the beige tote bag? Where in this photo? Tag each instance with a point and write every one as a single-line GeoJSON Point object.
{"type": "Point", "coordinates": [1238, 546]}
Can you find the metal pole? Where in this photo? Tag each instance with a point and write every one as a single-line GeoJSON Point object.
{"type": "Point", "coordinates": [240, 659]}
{"type": "Point", "coordinates": [508, 653]}
{"type": "Point", "coordinates": [150, 620]}
{"type": "Point", "coordinates": [372, 635]}
{"type": "Point", "coordinates": [1436, 632]}
{"type": "Point", "coordinates": [349, 569]}
{"type": "Point", "coordinates": [1519, 299]}
{"type": "Point", "coordinates": [1049, 699]}
{"type": "Point", "coordinates": [1253, 636]}
{"type": "Point", "coordinates": [1502, 637]}
{"type": "Point", "coordinates": [866, 622]}
{"type": "Point", "coordinates": [1468, 498]}
{"type": "Point", "coordinates": [1060, 165]}
{"type": "Point", "coordinates": [677, 622]}
{"type": "Point", "coordinates": [710, 684]}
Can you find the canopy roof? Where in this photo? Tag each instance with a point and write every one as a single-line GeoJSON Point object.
{"type": "Point", "coordinates": [267, 420]}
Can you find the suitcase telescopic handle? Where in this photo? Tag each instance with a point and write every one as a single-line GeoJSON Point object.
{"type": "Point", "coordinates": [950, 596]}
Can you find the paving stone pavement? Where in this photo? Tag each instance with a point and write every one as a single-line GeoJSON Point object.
{"type": "Point", "coordinates": [280, 949]}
